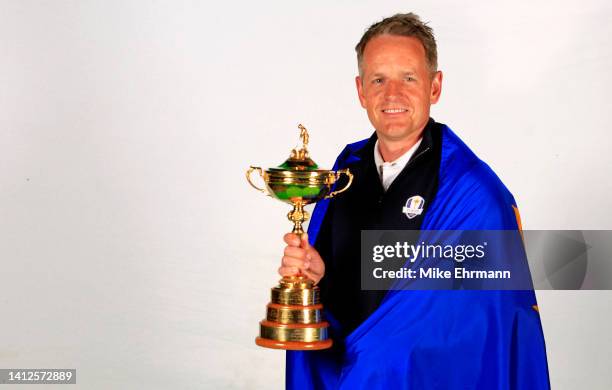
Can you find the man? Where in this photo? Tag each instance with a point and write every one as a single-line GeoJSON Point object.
{"type": "Point", "coordinates": [411, 339]}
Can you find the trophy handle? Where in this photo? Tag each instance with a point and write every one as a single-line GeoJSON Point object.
{"type": "Point", "coordinates": [248, 177]}
{"type": "Point", "coordinates": [350, 180]}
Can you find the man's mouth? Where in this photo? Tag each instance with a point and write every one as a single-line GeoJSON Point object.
{"type": "Point", "coordinates": [394, 110]}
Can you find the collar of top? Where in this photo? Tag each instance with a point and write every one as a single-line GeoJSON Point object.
{"type": "Point", "coordinates": [389, 170]}
{"type": "Point", "coordinates": [400, 162]}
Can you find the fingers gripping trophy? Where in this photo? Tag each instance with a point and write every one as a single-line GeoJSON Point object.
{"type": "Point", "coordinates": [294, 316]}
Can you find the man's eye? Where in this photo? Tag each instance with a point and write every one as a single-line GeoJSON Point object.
{"type": "Point", "coordinates": [410, 78]}
{"type": "Point", "coordinates": [377, 81]}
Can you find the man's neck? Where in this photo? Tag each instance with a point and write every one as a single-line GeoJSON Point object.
{"type": "Point", "coordinates": [391, 150]}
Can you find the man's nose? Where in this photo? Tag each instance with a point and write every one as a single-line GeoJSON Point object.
{"type": "Point", "coordinates": [392, 89]}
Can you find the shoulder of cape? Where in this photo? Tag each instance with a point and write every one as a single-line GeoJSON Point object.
{"type": "Point", "coordinates": [460, 166]}
{"type": "Point", "coordinates": [470, 196]}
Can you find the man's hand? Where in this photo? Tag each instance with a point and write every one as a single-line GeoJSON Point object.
{"type": "Point", "coordinates": [300, 256]}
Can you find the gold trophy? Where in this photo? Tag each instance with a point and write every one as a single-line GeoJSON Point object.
{"type": "Point", "coordinates": [293, 320]}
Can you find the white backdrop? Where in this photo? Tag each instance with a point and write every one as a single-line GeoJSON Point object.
{"type": "Point", "coordinates": [133, 250]}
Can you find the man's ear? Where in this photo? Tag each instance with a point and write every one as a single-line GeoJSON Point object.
{"type": "Point", "coordinates": [436, 87]}
{"type": "Point", "coordinates": [360, 93]}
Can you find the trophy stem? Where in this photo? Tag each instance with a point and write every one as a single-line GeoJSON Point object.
{"type": "Point", "coordinates": [298, 216]}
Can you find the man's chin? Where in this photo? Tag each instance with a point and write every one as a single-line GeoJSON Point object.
{"type": "Point", "coordinates": [394, 133]}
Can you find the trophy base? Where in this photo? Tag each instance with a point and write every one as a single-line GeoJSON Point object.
{"type": "Point", "coordinates": [293, 345]}
{"type": "Point", "coordinates": [293, 317]}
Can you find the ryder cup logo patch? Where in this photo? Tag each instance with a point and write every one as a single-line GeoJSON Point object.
{"type": "Point", "coordinates": [414, 206]}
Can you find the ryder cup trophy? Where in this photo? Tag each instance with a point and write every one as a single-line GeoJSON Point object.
{"type": "Point", "coordinates": [293, 319]}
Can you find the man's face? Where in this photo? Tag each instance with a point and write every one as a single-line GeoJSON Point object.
{"type": "Point", "coordinates": [397, 87]}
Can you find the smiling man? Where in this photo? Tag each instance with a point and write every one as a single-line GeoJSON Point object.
{"type": "Point", "coordinates": [412, 173]}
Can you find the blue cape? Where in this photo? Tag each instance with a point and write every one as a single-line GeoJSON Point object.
{"type": "Point", "coordinates": [462, 339]}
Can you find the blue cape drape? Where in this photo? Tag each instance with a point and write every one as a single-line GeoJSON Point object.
{"type": "Point", "coordinates": [458, 339]}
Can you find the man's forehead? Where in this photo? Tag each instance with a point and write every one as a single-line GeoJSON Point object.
{"type": "Point", "coordinates": [392, 63]}
{"type": "Point", "coordinates": [387, 49]}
